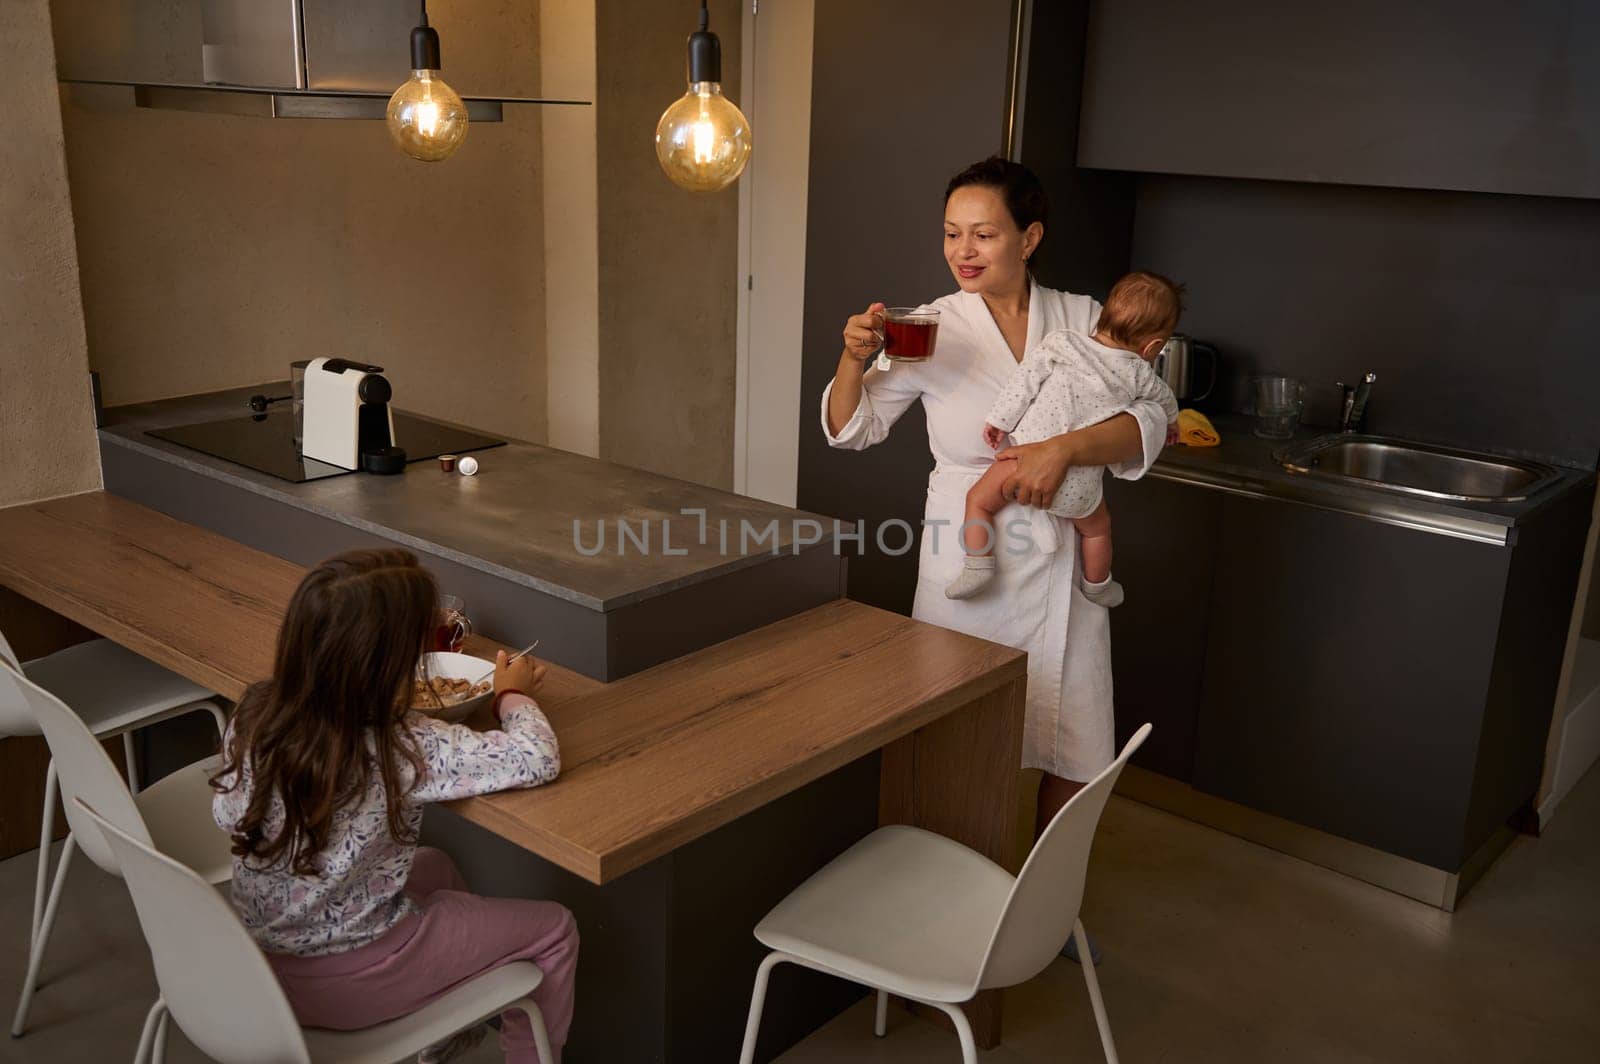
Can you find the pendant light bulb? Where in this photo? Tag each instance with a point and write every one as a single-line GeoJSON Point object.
{"type": "Point", "coordinates": [703, 140]}
{"type": "Point", "coordinates": [426, 118]}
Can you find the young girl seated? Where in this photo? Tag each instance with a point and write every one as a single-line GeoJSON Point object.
{"type": "Point", "coordinates": [325, 773]}
{"type": "Point", "coordinates": [1071, 381]}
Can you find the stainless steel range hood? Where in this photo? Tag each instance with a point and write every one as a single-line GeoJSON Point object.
{"type": "Point", "coordinates": [305, 59]}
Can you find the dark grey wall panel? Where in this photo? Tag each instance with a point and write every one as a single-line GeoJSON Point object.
{"type": "Point", "coordinates": [1478, 313]}
{"type": "Point", "coordinates": [904, 94]}
{"type": "Point", "coordinates": [872, 229]}
{"type": "Point", "coordinates": [1474, 95]}
{"type": "Point", "coordinates": [1086, 245]}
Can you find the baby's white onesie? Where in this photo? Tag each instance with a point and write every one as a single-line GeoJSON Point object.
{"type": "Point", "coordinates": [1071, 382]}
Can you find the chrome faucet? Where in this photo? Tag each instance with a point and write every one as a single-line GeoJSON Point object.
{"type": "Point", "coordinates": [1355, 403]}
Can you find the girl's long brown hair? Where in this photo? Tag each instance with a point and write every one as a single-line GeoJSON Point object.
{"type": "Point", "coordinates": [341, 678]}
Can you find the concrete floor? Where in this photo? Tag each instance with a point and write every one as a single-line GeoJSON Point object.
{"type": "Point", "coordinates": [1216, 950]}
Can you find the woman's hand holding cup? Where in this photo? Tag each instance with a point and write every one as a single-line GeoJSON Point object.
{"type": "Point", "coordinates": [863, 333]}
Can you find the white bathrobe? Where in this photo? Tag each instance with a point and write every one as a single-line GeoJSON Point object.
{"type": "Point", "coordinates": [1033, 604]}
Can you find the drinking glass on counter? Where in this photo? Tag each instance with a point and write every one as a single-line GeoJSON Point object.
{"type": "Point", "coordinates": [451, 626]}
{"type": "Point", "coordinates": [1278, 403]}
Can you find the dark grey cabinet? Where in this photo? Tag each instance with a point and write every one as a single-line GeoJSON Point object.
{"type": "Point", "coordinates": [1166, 545]}
{"type": "Point", "coordinates": [1384, 684]}
{"type": "Point", "coordinates": [1345, 674]}
{"type": "Point", "coordinates": [1473, 95]}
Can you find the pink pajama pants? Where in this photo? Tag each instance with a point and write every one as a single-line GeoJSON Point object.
{"type": "Point", "coordinates": [456, 936]}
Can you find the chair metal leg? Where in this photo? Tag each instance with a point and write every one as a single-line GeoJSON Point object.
{"type": "Point", "coordinates": [1093, 982]}
{"type": "Point", "coordinates": [958, 1015]}
{"type": "Point", "coordinates": [220, 717]}
{"type": "Point", "coordinates": [42, 939]}
{"type": "Point", "coordinates": [758, 1000]}
{"type": "Point", "coordinates": [541, 1037]}
{"type": "Point", "coordinates": [880, 1022]}
{"type": "Point", "coordinates": [47, 828]}
{"type": "Point", "coordinates": [133, 762]}
{"type": "Point", "coordinates": [158, 1052]}
{"type": "Point", "coordinates": [152, 1019]}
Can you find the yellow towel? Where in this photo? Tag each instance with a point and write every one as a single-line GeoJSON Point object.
{"type": "Point", "coordinates": [1196, 430]}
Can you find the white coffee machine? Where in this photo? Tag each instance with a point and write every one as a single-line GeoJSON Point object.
{"type": "Point", "coordinates": [347, 422]}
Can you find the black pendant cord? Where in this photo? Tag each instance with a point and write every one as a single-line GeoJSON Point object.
{"type": "Point", "coordinates": [424, 44]}
{"type": "Point", "coordinates": [705, 51]}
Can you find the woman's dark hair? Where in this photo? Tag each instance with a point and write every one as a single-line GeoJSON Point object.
{"type": "Point", "coordinates": [341, 679]}
{"type": "Point", "coordinates": [1022, 192]}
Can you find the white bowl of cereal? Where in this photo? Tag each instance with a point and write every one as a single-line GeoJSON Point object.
{"type": "Point", "coordinates": [451, 686]}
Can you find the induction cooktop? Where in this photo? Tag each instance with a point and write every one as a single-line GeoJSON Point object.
{"type": "Point", "coordinates": [265, 443]}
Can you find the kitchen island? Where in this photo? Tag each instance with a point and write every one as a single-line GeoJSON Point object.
{"type": "Point", "coordinates": [733, 728]}
{"type": "Point", "coordinates": [612, 569]}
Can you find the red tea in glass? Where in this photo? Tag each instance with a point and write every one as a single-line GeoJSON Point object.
{"type": "Point", "coordinates": [451, 626]}
{"type": "Point", "coordinates": [909, 333]}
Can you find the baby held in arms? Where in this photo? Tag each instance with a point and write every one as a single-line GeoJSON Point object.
{"type": "Point", "coordinates": [1071, 381]}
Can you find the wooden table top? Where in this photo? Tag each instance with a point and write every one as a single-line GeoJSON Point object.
{"type": "Point", "coordinates": [649, 762]}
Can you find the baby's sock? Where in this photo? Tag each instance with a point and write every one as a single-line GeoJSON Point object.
{"type": "Point", "coordinates": [974, 577]}
{"type": "Point", "coordinates": [1107, 593]}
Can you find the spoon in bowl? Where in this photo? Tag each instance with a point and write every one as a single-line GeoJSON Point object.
{"type": "Point", "coordinates": [522, 652]}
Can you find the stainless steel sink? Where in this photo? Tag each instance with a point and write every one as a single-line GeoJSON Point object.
{"type": "Point", "coordinates": [1417, 468]}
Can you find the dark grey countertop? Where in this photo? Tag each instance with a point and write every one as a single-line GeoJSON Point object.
{"type": "Point", "coordinates": [515, 519]}
{"type": "Point", "coordinates": [1243, 464]}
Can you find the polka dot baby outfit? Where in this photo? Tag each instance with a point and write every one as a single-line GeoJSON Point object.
{"type": "Point", "coordinates": [1068, 382]}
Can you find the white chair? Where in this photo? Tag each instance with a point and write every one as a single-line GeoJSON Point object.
{"type": "Point", "coordinates": [918, 915]}
{"type": "Point", "coordinates": [218, 986]}
{"type": "Point", "coordinates": [173, 814]}
{"type": "Point", "coordinates": [115, 692]}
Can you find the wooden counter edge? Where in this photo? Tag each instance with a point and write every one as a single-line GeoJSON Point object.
{"type": "Point", "coordinates": [598, 868]}
{"type": "Point", "coordinates": [118, 632]}
{"type": "Point", "coordinates": [601, 868]}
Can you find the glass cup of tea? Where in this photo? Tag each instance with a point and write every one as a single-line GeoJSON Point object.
{"type": "Point", "coordinates": [909, 334]}
{"type": "Point", "coordinates": [450, 624]}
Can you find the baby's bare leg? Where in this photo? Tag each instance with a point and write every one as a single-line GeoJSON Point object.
{"type": "Point", "coordinates": [984, 500]}
{"type": "Point", "coordinates": [1094, 543]}
{"type": "Point", "coordinates": [978, 533]}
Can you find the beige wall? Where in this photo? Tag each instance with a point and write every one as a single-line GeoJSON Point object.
{"type": "Point", "coordinates": [215, 249]}
{"type": "Point", "coordinates": [668, 258]}
{"type": "Point", "coordinates": [47, 441]}
{"type": "Point", "coordinates": [571, 226]}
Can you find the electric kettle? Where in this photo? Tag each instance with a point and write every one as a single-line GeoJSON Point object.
{"type": "Point", "coordinates": [1176, 366]}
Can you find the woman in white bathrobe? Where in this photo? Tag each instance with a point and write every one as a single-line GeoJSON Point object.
{"type": "Point", "coordinates": [994, 220]}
